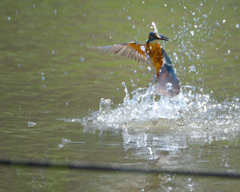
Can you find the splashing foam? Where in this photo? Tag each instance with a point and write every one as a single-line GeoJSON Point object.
{"type": "Point", "coordinates": [145, 105]}
{"type": "Point", "coordinates": [190, 110]}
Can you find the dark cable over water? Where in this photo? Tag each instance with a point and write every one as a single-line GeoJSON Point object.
{"type": "Point", "coordinates": [115, 167]}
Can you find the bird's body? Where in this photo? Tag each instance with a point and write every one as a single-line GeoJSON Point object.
{"type": "Point", "coordinates": [151, 53]}
{"type": "Point", "coordinates": [154, 50]}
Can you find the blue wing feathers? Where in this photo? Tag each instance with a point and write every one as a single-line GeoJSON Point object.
{"type": "Point", "coordinates": [168, 65]}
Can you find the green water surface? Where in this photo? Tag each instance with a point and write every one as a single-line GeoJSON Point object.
{"type": "Point", "coordinates": [50, 71]}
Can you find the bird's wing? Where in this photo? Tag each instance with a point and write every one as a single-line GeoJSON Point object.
{"type": "Point", "coordinates": [130, 50]}
{"type": "Point", "coordinates": [166, 58]}
{"type": "Point", "coordinates": [168, 64]}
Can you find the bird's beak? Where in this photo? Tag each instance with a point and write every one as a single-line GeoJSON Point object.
{"type": "Point", "coordinates": [162, 37]}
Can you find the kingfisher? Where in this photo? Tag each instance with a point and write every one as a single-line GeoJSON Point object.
{"type": "Point", "coordinates": [151, 53]}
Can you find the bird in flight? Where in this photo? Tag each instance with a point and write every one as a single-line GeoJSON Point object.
{"type": "Point", "coordinates": [151, 53]}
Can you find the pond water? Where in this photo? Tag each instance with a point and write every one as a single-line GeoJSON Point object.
{"type": "Point", "coordinates": [63, 100]}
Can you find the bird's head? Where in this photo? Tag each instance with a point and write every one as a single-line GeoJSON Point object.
{"type": "Point", "coordinates": [154, 35]}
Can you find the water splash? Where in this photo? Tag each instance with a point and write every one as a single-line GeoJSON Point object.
{"type": "Point", "coordinates": [144, 105]}
{"type": "Point", "coordinates": [190, 110]}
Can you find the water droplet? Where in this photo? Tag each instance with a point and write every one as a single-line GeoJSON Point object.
{"type": "Point", "coordinates": [201, 4]}
{"type": "Point", "coordinates": [149, 69]}
{"type": "Point", "coordinates": [237, 25]}
{"type": "Point", "coordinates": [129, 18]}
{"type": "Point", "coordinates": [142, 48]}
{"type": "Point", "coordinates": [205, 16]}
{"type": "Point", "coordinates": [133, 26]}
{"type": "Point", "coordinates": [43, 78]}
{"type": "Point", "coordinates": [229, 51]}
{"type": "Point", "coordinates": [82, 59]}
{"type": "Point", "coordinates": [195, 26]}
{"type": "Point", "coordinates": [143, 2]}
{"type": "Point", "coordinates": [33, 5]}
{"type": "Point", "coordinates": [19, 65]}
{"type": "Point", "coordinates": [192, 33]}
{"type": "Point", "coordinates": [31, 124]}
{"type": "Point", "coordinates": [65, 73]}
{"type": "Point", "coordinates": [198, 56]}
{"type": "Point", "coordinates": [165, 5]}
{"type": "Point", "coordinates": [67, 103]}
{"type": "Point", "coordinates": [185, 7]}
{"type": "Point", "coordinates": [8, 18]}
{"type": "Point", "coordinates": [194, 19]}
{"type": "Point", "coordinates": [169, 86]}
{"type": "Point", "coordinates": [224, 21]}
{"type": "Point", "coordinates": [193, 68]}
{"type": "Point", "coordinates": [55, 11]}
{"type": "Point", "coordinates": [53, 52]}
{"type": "Point", "coordinates": [193, 13]}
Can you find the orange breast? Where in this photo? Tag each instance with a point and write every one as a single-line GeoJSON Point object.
{"type": "Point", "coordinates": [154, 50]}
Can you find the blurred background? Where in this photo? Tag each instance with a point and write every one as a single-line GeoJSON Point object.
{"type": "Point", "coordinates": [63, 100]}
